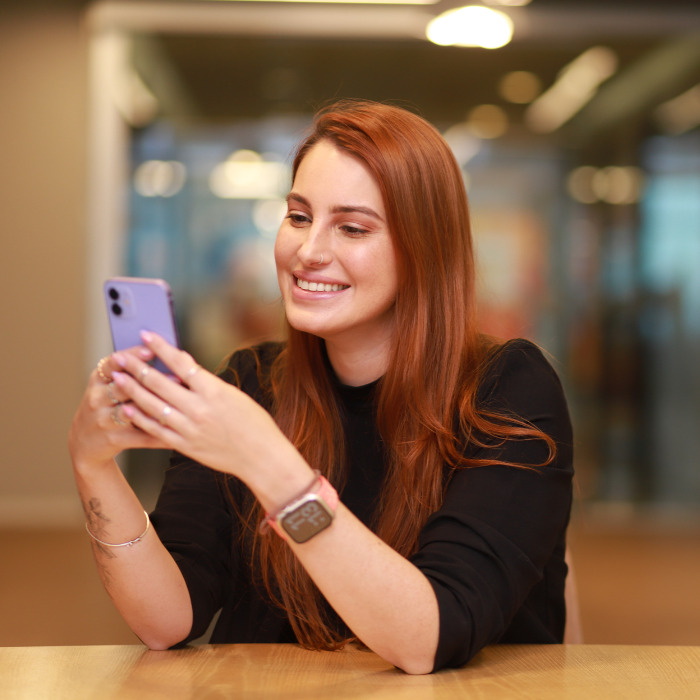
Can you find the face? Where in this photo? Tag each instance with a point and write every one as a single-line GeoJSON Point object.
{"type": "Point", "coordinates": [336, 264]}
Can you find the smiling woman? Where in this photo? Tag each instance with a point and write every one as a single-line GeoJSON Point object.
{"type": "Point", "coordinates": [388, 474]}
{"type": "Point", "coordinates": [336, 263]}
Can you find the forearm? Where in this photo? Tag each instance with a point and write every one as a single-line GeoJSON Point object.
{"type": "Point", "coordinates": [384, 599]}
{"type": "Point", "coordinates": [143, 580]}
{"type": "Point", "coordinates": [387, 602]}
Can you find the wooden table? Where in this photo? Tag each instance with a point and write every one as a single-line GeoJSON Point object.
{"type": "Point", "coordinates": [278, 672]}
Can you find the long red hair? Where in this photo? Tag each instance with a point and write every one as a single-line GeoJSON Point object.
{"type": "Point", "coordinates": [430, 385]}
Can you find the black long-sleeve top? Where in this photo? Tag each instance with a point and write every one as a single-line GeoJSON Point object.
{"type": "Point", "coordinates": [493, 553]}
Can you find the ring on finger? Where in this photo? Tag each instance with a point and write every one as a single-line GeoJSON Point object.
{"type": "Point", "coordinates": [110, 394]}
{"type": "Point", "coordinates": [144, 374]}
{"type": "Point", "coordinates": [167, 410]}
{"type": "Point", "coordinates": [100, 371]}
{"type": "Point", "coordinates": [116, 418]}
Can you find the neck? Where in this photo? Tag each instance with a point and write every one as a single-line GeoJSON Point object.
{"type": "Point", "coordinates": [360, 364]}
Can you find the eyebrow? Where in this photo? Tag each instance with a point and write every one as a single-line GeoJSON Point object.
{"type": "Point", "coordinates": [338, 208]}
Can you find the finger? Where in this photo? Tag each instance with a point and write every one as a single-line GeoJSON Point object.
{"type": "Point", "coordinates": [147, 399]}
{"type": "Point", "coordinates": [126, 435]}
{"type": "Point", "coordinates": [158, 428]}
{"type": "Point", "coordinates": [139, 382]}
{"type": "Point", "coordinates": [107, 365]}
{"type": "Point", "coordinates": [119, 417]}
{"type": "Point", "coordinates": [114, 395]}
{"type": "Point", "coordinates": [179, 361]}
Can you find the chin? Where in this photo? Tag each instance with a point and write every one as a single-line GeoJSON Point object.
{"type": "Point", "coordinates": [306, 325]}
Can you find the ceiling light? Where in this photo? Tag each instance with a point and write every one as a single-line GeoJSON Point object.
{"type": "Point", "coordinates": [520, 87]}
{"type": "Point", "coordinates": [159, 178]}
{"type": "Point", "coordinates": [508, 3]}
{"type": "Point", "coordinates": [471, 26]}
{"type": "Point", "coordinates": [575, 86]}
{"type": "Point", "coordinates": [618, 185]}
{"type": "Point", "coordinates": [245, 175]}
{"type": "Point", "coordinates": [613, 185]}
{"type": "Point", "coordinates": [352, 2]}
{"type": "Point", "coordinates": [488, 121]}
{"type": "Point", "coordinates": [680, 114]}
{"type": "Point", "coordinates": [580, 184]}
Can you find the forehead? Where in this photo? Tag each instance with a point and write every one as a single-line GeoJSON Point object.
{"type": "Point", "coordinates": [327, 171]}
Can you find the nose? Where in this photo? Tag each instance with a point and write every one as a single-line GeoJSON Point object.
{"type": "Point", "coordinates": [315, 250]}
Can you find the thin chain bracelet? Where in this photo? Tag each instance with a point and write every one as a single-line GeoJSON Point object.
{"type": "Point", "coordinates": [122, 544]}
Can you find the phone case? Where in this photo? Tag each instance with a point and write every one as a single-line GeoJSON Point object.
{"type": "Point", "coordinates": [136, 304]}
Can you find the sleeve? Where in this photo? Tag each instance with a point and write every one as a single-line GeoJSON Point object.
{"type": "Point", "coordinates": [194, 523]}
{"type": "Point", "coordinates": [196, 513]}
{"type": "Point", "coordinates": [494, 538]}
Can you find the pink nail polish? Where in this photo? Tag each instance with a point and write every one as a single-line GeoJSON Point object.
{"type": "Point", "coordinates": [128, 410]}
{"type": "Point", "coordinates": [146, 336]}
{"type": "Point", "coordinates": [119, 359]}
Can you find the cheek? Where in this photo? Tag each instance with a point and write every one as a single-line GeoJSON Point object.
{"type": "Point", "coordinates": [282, 247]}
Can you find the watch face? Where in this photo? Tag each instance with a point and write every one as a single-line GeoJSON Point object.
{"type": "Point", "coordinates": [306, 520]}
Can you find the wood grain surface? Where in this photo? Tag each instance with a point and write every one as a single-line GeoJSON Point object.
{"type": "Point", "coordinates": [281, 672]}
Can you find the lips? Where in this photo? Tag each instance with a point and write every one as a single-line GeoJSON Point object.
{"type": "Point", "coordinates": [320, 286]}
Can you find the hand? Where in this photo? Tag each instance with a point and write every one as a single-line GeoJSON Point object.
{"type": "Point", "coordinates": [200, 415]}
{"type": "Point", "coordinates": [98, 433]}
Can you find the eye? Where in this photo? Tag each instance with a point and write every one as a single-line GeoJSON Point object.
{"type": "Point", "coordinates": [353, 230]}
{"type": "Point", "coordinates": [297, 219]}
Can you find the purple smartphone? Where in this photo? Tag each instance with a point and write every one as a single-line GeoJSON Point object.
{"type": "Point", "coordinates": [136, 304]}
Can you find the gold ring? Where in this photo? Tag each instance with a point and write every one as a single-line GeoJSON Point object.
{"type": "Point", "coordinates": [100, 371]}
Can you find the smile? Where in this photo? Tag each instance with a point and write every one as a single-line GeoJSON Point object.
{"type": "Point", "coordinates": [320, 286]}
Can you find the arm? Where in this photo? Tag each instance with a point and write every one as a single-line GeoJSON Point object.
{"type": "Point", "coordinates": [479, 556]}
{"type": "Point", "coordinates": [494, 552]}
{"type": "Point", "coordinates": [143, 580]}
{"type": "Point", "coordinates": [369, 584]}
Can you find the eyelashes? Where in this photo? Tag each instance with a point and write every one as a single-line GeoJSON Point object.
{"type": "Point", "coordinates": [298, 220]}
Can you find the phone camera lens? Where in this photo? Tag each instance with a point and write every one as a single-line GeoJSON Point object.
{"type": "Point", "coordinates": [116, 309]}
{"type": "Point", "coordinates": [113, 293]}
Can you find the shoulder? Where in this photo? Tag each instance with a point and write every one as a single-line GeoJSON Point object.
{"type": "Point", "coordinates": [249, 368]}
{"type": "Point", "coordinates": [519, 381]}
{"type": "Point", "coordinates": [516, 366]}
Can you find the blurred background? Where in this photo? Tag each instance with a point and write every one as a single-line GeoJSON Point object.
{"type": "Point", "coordinates": [153, 139]}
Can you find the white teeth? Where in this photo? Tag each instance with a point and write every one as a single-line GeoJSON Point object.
{"type": "Point", "coordinates": [320, 286]}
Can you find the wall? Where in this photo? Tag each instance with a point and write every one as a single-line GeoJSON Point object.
{"type": "Point", "coordinates": [43, 79]}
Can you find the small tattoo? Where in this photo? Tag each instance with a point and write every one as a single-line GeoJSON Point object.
{"type": "Point", "coordinates": [105, 552]}
{"type": "Point", "coordinates": [96, 521]}
{"type": "Point", "coordinates": [95, 517]}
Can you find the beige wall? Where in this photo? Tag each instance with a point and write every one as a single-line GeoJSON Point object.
{"type": "Point", "coordinates": [43, 89]}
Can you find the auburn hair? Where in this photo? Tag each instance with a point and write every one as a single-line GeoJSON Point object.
{"type": "Point", "coordinates": [426, 402]}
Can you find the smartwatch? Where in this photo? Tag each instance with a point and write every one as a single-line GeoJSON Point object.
{"type": "Point", "coordinates": [308, 514]}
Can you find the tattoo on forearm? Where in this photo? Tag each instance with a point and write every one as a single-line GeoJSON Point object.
{"type": "Point", "coordinates": [96, 520]}
{"type": "Point", "coordinates": [95, 517]}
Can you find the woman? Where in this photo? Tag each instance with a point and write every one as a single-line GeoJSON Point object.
{"type": "Point", "coordinates": [439, 523]}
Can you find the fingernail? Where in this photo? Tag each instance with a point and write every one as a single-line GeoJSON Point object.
{"type": "Point", "coordinates": [118, 378]}
{"type": "Point", "coordinates": [146, 336]}
{"type": "Point", "coordinates": [145, 353]}
{"type": "Point", "coordinates": [119, 359]}
{"type": "Point", "coordinates": [128, 410]}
